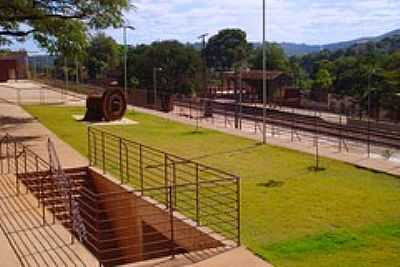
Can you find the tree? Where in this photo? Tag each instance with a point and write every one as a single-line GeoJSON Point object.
{"type": "Point", "coordinates": [323, 80]}
{"type": "Point", "coordinates": [180, 66]}
{"type": "Point", "coordinates": [103, 56]}
{"type": "Point", "coordinates": [276, 58]}
{"type": "Point", "coordinates": [226, 48]}
{"type": "Point", "coordinates": [50, 20]}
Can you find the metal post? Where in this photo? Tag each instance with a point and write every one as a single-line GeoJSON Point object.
{"type": "Point", "coordinates": [126, 58]}
{"type": "Point", "coordinates": [16, 167]}
{"type": "Point", "coordinates": [76, 71]}
{"type": "Point", "coordinates": [369, 125]}
{"type": "Point", "coordinates": [316, 143]}
{"type": "Point", "coordinates": [340, 133]}
{"type": "Point", "coordinates": [66, 76]}
{"type": "Point", "coordinates": [141, 168]}
{"type": "Point", "coordinates": [238, 210]}
{"type": "Point", "coordinates": [89, 147]}
{"type": "Point", "coordinates": [1, 158]}
{"type": "Point", "coordinates": [240, 99]}
{"type": "Point", "coordinates": [166, 184]}
{"type": "Point", "coordinates": [197, 195]}
{"type": "Point", "coordinates": [171, 214]}
{"type": "Point", "coordinates": [103, 148]}
{"type": "Point", "coordinates": [155, 87]}
{"type": "Point", "coordinates": [125, 64]}
{"type": "Point", "coordinates": [264, 75]}
{"type": "Point", "coordinates": [121, 172]}
{"type": "Point", "coordinates": [204, 78]}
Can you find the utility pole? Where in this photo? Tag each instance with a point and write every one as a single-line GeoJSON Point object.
{"type": "Point", "coordinates": [76, 71]}
{"type": "Point", "coordinates": [369, 113]}
{"type": "Point", "coordinates": [155, 70]}
{"type": "Point", "coordinates": [205, 83]}
{"type": "Point", "coordinates": [125, 27]}
{"type": "Point", "coordinates": [264, 74]}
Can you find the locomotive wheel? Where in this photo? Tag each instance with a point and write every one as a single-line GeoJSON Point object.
{"type": "Point", "coordinates": [114, 104]}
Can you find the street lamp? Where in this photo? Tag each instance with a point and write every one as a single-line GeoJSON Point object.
{"type": "Point", "coordinates": [125, 27]}
{"type": "Point", "coordinates": [155, 70]}
{"type": "Point", "coordinates": [369, 110]}
{"type": "Point", "coordinates": [205, 85]}
{"type": "Point", "coordinates": [264, 75]}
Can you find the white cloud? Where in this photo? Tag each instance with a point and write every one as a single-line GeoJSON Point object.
{"type": "Point", "coordinates": [310, 21]}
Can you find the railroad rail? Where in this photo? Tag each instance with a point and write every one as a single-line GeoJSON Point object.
{"type": "Point", "coordinates": [300, 122]}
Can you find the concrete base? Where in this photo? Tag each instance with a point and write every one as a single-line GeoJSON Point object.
{"type": "Point", "coordinates": [124, 121]}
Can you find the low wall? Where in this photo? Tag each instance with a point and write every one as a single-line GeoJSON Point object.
{"type": "Point", "coordinates": [144, 212]}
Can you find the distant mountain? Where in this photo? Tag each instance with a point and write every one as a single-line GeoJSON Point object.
{"type": "Point", "coordinates": [293, 49]}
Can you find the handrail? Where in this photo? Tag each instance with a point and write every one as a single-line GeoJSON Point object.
{"type": "Point", "coordinates": [91, 128]}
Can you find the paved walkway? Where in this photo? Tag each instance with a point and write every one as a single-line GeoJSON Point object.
{"type": "Point", "coordinates": [28, 241]}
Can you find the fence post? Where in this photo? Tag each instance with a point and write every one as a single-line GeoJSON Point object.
{"type": "Point", "coordinates": [41, 198]}
{"type": "Point", "coordinates": [8, 157]}
{"type": "Point", "coordinates": [166, 178]}
{"type": "Point", "coordinates": [89, 146]}
{"type": "Point", "coordinates": [1, 158]}
{"type": "Point", "coordinates": [238, 210]}
{"type": "Point", "coordinates": [103, 150]}
{"type": "Point", "coordinates": [171, 214]}
{"type": "Point", "coordinates": [340, 134]}
{"type": "Point", "coordinates": [25, 168]}
{"type": "Point", "coordinates": [197, 195]}
{"type": "Point", "coordinates": [121, 172]}
{"type": "Point", "coordinates": [174, 181]}
{"type": "Point", "coordinates": [16, 167]}
{"type": "Point", "coordinates": [369, 138]}
{"type": "Point", "coordinates": [141, 168]}
{"type": "Point", "coordinates": [127, 163]}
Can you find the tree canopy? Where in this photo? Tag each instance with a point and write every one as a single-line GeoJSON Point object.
{"type": "Point", "coordinates": [179, 66]}
{"type": "Point", "coordinates": [52, 22]}
{"type": "Point", "coordinates": [103, 56]}
{"type": "Point", "coordinates": [276, 58]}
{"type": "Point", "coordinates": [226, 48]}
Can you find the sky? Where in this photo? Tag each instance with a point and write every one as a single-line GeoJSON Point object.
{"type": "Point", "coordinates": [299, 21]}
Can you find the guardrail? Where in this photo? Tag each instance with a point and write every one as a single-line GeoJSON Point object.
{"type": "Point", "coordinates": [333, 129]}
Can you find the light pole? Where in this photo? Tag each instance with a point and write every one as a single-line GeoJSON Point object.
{"type": "Point", "coordinates": [203, 38]}
{"type": "Point", "coordinates": [155, 70]}
{"type": "Point", "coordinates": [369, 112]}
{"type": "Point", "coordinates": [264, 74]}
{"type": "Point", "coordinates": [125, 27]}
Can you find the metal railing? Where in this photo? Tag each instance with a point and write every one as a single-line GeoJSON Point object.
{"type": "Point", "coordinates": [207, 197]}
{"type": "Point", "coordinates": [328, 129]}
{"type": "Point", "coordinates": [34, 174]}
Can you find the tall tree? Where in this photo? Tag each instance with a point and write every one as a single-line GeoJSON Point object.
{"type": "Point", "coordinates": [226, 48]}
{"type": "Point", "coordinates": [276, 58]}
{"type": "Point", "coordinates": [103, 56]}
{"type": "Point", "coordinates": [179, 64]}
{"type": "Point", "coordinates": [323, 80]}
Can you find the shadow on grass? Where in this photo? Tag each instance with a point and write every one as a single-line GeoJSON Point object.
{"type": "Point", "coordinates": [271, 184]}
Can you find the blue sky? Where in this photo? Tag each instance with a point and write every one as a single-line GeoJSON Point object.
{"type": "Point", "coordinates": [300, 21]}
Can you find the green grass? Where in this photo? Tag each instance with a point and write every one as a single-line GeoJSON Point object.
{"type": "Point", "coordinates": [291, 216]}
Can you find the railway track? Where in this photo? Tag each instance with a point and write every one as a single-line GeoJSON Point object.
{"type": "Point", "coordinates": [300, 122]}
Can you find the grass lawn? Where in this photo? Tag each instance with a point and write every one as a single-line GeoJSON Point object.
{"type": "Point", "coordinates": [291, 215]}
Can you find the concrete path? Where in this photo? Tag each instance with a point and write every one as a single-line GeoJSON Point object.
{"type": "Point", "coordinates": [17, 122]}
{"type": "Point", "coordinates": [30, 241]}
